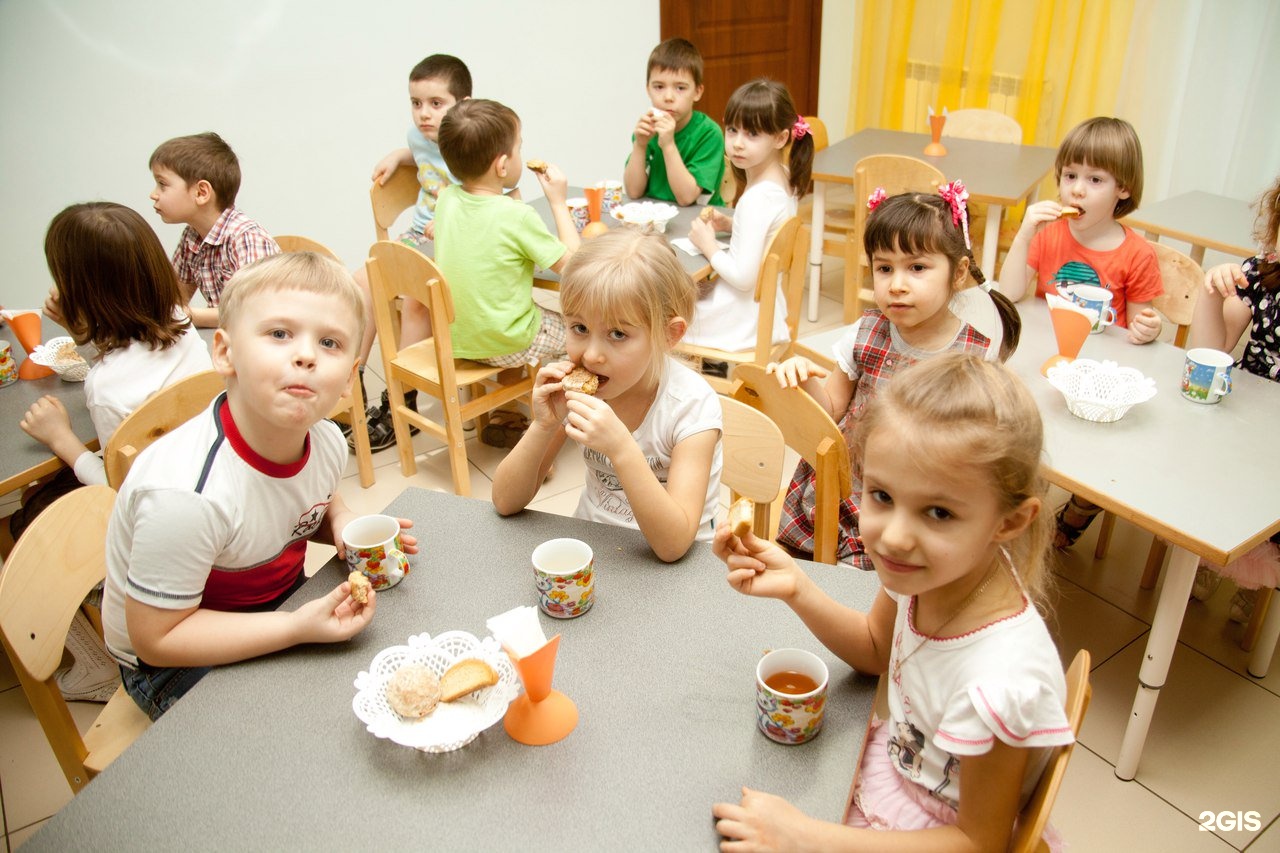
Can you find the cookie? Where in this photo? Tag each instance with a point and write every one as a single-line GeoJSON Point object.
{"type": "Point", "coordinates": [414, 691]}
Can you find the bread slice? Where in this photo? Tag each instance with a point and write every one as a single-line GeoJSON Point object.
{"type": "Point", "coordinates": [539, 166]}
{"type": "Point", "coordinates": [1069, 212]}
{"type": "Point", "coordinates": [742, 516]}
{"type": "Point", "coordinates": [581, 380]}
{"type": "Point", "coordinates": [360, 587]}
{"type": "Point", "coordinates": [466, 676]}
{"type": "Point", "coordinates": [707, 213]}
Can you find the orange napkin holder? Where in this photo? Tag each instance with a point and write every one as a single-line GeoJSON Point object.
{"type": "Point", "coordinates": [540, 715]}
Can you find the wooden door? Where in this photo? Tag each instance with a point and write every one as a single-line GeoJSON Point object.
{"type": "Point", "coordinates": [743, 39]}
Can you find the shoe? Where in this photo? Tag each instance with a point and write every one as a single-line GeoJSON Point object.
{"type": "Point", "coordinates": [504, 429]}
{"type": "Point", "coordinates": [1242, 603]}
{"type": "Point", "coordinates": [715, 368]}
{"type": "Point", "coordinates": [1082, 514]}
{"type": "Point", "coordinates": [382, 431]}
{"type": "Point", "coordinates": [1206, 583]}
{"type": "Point", "coordinates": [93, 675]}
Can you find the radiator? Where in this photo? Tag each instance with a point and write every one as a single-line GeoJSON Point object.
{"type": "Point", "coordinates": [921, 92]}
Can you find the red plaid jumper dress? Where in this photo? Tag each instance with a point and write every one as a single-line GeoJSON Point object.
{"type": "Point", "coordinates": [875, 360]}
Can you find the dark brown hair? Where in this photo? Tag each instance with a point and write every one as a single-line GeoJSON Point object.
{"type": "Point", "coordinates": [1264, 232]}
{"type": "Point", "coordinates": [1110, 144]}
{"type": "Point", "coordinates": [474, 133]}
{"type": "Point", "coordinates": [921, 224]}
{"type": "Point", "coordinates": [675, 55]}
{"type": "Point", "coordinates": [202, 157]}
{"type": "Point", "coordinates": [452, 70]}
{"type": "Point", "coordinates": [115, 282]}
{"type": "Point", "coordinates": [765, 106]}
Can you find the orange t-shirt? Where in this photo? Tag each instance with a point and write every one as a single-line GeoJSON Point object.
{"type": "Point", "coordinates": [1130, 271]}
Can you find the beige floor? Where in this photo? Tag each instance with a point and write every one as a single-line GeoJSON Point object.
{"type": "Point", "coordinates": [1211, 713]}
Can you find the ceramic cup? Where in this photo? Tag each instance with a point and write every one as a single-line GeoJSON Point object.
{"type": "Point", "coordinates": [374, 549]}
{"type": "Point", "coordinates": [564, 571]}
{"type": "Point", "coordinates": [578, 210]}
{"type": "Point", "coordinates": [1091, 298]}
{"type": "Point", "coordinates": [612, 195]}
{"type": "Point", "coordinates": [8, 367]}
{"type": "Point", "coordinates": [1206, 376]}
{"type": "Point", "coordinates": [788, 717]}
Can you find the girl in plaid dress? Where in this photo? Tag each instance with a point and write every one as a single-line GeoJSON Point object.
{"type": "Point", "coordinates": [920, 254]}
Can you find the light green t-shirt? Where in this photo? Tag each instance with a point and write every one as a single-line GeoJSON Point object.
{"type": "Point", "coordinates": [486, 247]}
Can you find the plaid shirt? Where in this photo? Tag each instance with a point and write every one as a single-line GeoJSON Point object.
{"type": "Point", "coordinates": [234, 241]}
{"type": "Point", "coordinates": [876, 361]}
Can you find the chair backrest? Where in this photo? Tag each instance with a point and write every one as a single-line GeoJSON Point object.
{"type": "Point", "coordinates": [395, 270]}
{"type": "Point", "coordinates": [296, 243]}
{"type": "Point", "coordinates": [808, 430]}
{"type": "Point", "coordinates": [393, 198]}
{"type": "Point", "coordinates": [1035, 815]}
{"type": "Point", "coordinates": [784, 266]}
{"type": "Point", "coordinates": [894, 173]}
{"type": "Point", "coordinates": [987, 125]}
{"type": "Point", "coordinates": [53, 566]}
{"type": "Point", "coordinates": [754, 453]}
{"type": "Point", "coordinates": [1183, 279]}
{"type": "Point", "coordinates": [818, 128]}
{"type": "Point", "coordinates": [728, 186]}
{"type": "Point", "coordinates": [170, 407]}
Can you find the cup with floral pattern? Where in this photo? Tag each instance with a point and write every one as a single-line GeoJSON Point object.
{"type": "Point", "coordinates": [374, 549]}
{"type": "Point", "coordinates": [791, 695]}
{"type": "Point", "coordinates": [564, 572]}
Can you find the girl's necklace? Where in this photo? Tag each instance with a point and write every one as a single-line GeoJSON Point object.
{"type": "Point", "coordinates": [968, 599]}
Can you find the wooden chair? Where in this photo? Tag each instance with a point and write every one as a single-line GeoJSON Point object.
{"type": "Point", "coordinates": [988, 126]}
{"type": "Point", "coordinates": [838, 215]}
{"type": "Point", "coordinates": [59, 559]}
{"type": "Point", "coordinates": [728, 186]}
{"type": "Point", "coordinates": [808, 430]}
{"type": "Point", "coordinates": [350, 406]}
{"type": "Point", "coordinates": [396, 270]}
{"type": "Point", "coordinates": [168, 408]}
{"type": "Point", "coordinates": [393, 198]}
{"type": "Point", "coordinates": [1027, 835]}
{"type": "Point", "coordinates": [754, 453]}
{"type": "Point", "coordinates": [784, 266]}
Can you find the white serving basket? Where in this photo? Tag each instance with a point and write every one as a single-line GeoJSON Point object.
{"type": "Point", "coordinates": [60, 354]}
{"type": "Point", "coordinates": [1100, 391]}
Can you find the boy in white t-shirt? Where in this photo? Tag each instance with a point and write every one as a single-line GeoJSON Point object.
{"type": "Point", "coordinates": [210, 529]}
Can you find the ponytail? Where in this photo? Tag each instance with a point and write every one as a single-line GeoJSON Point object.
{"type": "Point", "coordinates": [801, 164]}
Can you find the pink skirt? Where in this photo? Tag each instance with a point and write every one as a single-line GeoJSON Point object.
{"type": "Point", "coordinates": [884, 799]}
{"type": "Point", "coordinates": [1260, 567]}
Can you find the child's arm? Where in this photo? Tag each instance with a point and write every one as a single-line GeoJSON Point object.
{"type": "Point", "coordinates": [683, 185]}
{"type": "Point", "coordinates": [1144, 323]}
{"type": "Point", "coordinates": [1220, 316]}
{"type": "Point", "coordinates": [338, 515]}
{"type": "Point", "coordinates": [799, 372]}
{"type": "Point", "coordinates": [47, 421]}
{"type": "Point", "coordinates": [635, 178]}
{"type": "Point", "coordinates": [520, 474]}
{"type": "Point", "coordinates": [556, 188]}
{"type": "Point", "coordinates": [203, 317]}
{"type": "Point", "coordinates": [668, 516]}
{"type": "Point", "coordinates": [1015, 276]}
{"type": "Point", "coordinates": [387, 165]}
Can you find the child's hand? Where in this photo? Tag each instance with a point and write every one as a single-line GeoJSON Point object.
{"type": "Point", "coordinates": [555, 185]}
{"type": "Point", "coordinates": [1144, 327]}
{"type": "Point", "coordinates": [761, 822]}
{"type": "Point", "coordinates": [720, 222]}
{"type": "Point", "coordinates": [47, 420]}
{"type": "Point", "coordinates": [644, 129]}
{"type": "Point", "coordinates": [334, 617]}
{"type": "Point", "coordinates": [703, 235]}
{"type": "Point", "coordinates": [593, 423]}
{"type": "Point", "coordinates": [386, 168]}
{"type": "Point", "coordinates": [53, 307]}
{"type": "Point", "coordinates": [756, 566]}
{"type": "Point", "coordinates": [1223, 280]}
{"type": "Point", "coordinates": [549, 405]}
{"type": "Point", "coordinates": [796, 371]}
{"type": "Point", "coordinates": [1038, 214]}
{"type": "Point", "coordinates": [664, 125]}
{"type": "Point", "coordinates": [429, 230]}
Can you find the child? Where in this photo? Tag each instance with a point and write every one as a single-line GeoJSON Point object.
{"type": "Point", "coordinates": [761, 130]}
{"type": "Point", "coordinates": [487, 244]}
{"type": "Point", "coordinates": [1099, 174]}
{"type": "Point", "coordinates": [210, 528]}
{"type": "Point", "coordinates": [1238, 296]}
{"type": "Point", "coordinates": [197, 178]}
{"type": "Point", "coordinates": [650, 435]}
{"type": "Point", "coordinates": [144, 342]}
{"type": "Point", "coordinates": [918, 244]}
{"type": "Point", "coordinates": [952, 521]}
{"type": "Point", "coordinates": [435, 84]}
{"type": "Point", "coordinates": [677, 154]}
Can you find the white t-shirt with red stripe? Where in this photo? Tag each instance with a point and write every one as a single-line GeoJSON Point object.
{"type": "Point", "coordinates": [204, 521]}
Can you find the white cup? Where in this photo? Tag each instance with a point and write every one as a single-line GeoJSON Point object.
{"type": "Point", "coordinates": [1091, 298]}
{"type": "Point", "coordinates": [564, 572]}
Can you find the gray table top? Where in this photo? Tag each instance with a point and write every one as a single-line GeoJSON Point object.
{"type": "Point", "coordinates": [269, 755]}
{"type": "Point", "coordinates": [1200, 218]}
{"type": "Point", "coordinates": [1201, 476]}
{"type": "Point", "coordinates": [993, 172]}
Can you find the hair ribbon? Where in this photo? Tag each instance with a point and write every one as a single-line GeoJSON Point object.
{"type": "Point", "coordinates": [800, 128]}
{"type": "Point", "coordinates": [957, 196]}
{"type": "Point", "coordinates": [877, 196]}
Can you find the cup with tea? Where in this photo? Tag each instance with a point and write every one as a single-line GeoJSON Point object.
{"type": "Point", "coordinates": [791, 694]}
{"type": "Point", "coordinates": [1206, 375]}
{"type": "Point", "coordinates": [374, 549]}
{"type": "Point", "coordinates": [1091, 298]}
{"type": "Point", "coordinates": [564, 572]}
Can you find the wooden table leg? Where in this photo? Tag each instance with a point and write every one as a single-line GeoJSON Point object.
{"type": "Point", "coordinates": [815, 246]}
{"type": "Point", "coordinates": [1260, 660]}
{"type": "Point", "coordinates": [1161, 642]}
{"type": "Point", "coordinates": [991, 240]}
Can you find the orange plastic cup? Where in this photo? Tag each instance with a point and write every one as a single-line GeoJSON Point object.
{"type": "Point", "coordinates": [595, 200]}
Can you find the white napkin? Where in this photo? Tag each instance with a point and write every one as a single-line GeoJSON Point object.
{"type": "Point", "coordinates": [518, 629]}
{"type": "Point", "coordinates": [685, 245]}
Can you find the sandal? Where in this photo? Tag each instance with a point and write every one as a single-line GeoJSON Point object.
{"type": "Point", "coordinates": [504, 430]}
{"type": "Point", "coordinates": [1082, 514]}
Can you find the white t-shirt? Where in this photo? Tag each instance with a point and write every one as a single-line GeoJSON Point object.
{"type": "Point", "coordinates": [203, 520]}
{"type": "Point", "coordinates": [727, 317]}
{"type": "Point", "coordinates": [956, 695]}
{"type": "Point", "coordinates": [124, 378]}
{"type": "Point", "coordinates": [685, 405]}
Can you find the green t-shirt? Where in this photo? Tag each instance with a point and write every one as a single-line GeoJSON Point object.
{"type": "Point", "coordinates": [701, 147]}
{"type": "Point", "coordinates": [486, 247]}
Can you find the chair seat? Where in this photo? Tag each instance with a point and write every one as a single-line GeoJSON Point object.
{"type": "Point", "coordinates": [119, 724]}
{"type": "Point", "coordinates": [420, 359]}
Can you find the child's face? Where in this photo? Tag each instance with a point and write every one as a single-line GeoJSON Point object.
{"type": "Point", "coordinates": [674, 92]}
{"type": "Point", "coordinates": [913, 291]}
{"type": "Point", "coordinates": [1094, 191]}
{"type": "Point", "coordinates": [172, 198]}
{"type": "Point", "coordinates": [927, 526]}
{"type": "Point", "coordinates": [619, 354]}
{"type": "Point", "coordinates": [429, 101]}
{"type": "Point", "coordinates": [292, 354]}
{"type": "Point", "coordinates": [749, 150]}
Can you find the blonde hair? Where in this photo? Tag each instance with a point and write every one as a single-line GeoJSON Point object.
{"type": "Point", "coordinates": [956, 409]}
{"type": "Point", "coordinates": [632, 279]}
{"type": "Point", "coordinates": [292, 271]}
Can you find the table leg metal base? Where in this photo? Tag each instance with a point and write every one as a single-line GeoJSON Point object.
{"type": "Point", "coordinates": [815, 247]}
